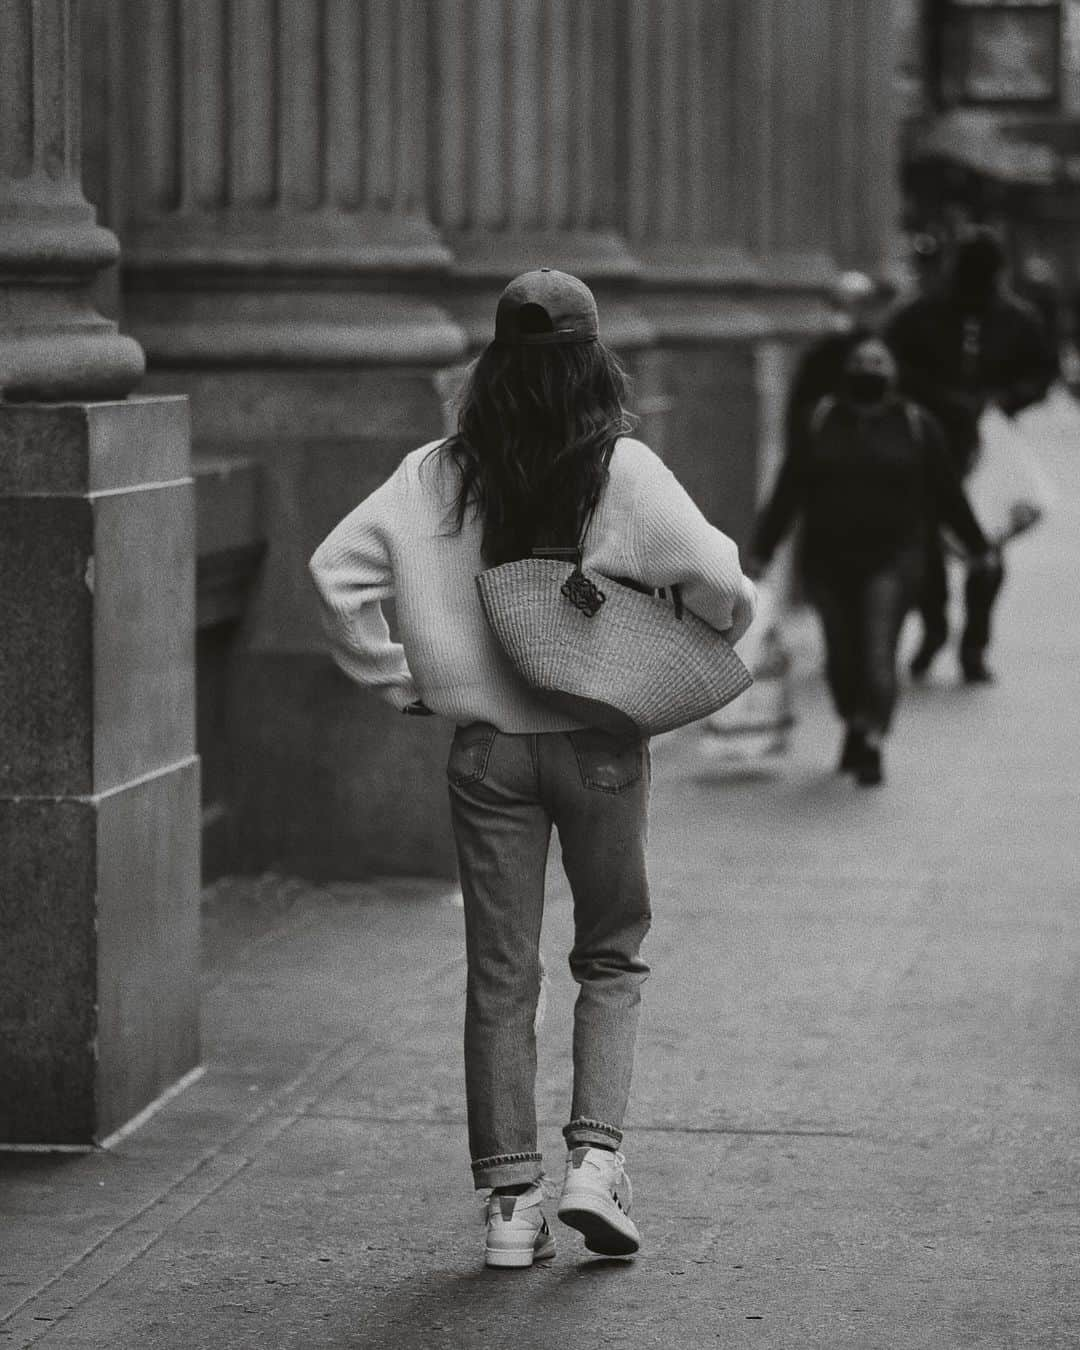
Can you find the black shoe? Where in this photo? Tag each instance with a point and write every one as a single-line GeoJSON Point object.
{"type": "Point", "coordinates": [869, 771]}
{"type": "Point", "coordinates": [924, 657]}
{"type": "Point", "coordinates": [851, 752]}
{"type": "Point", "coordinates": [976, 670]}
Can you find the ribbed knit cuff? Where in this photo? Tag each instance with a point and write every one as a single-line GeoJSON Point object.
{"type": "Point", "coordinates": [399, 696]}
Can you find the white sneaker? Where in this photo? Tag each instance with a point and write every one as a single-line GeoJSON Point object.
{"type": "Point", "coordinates": [596, 1200]}
{"type": "Point", "coordinates": [517, 1232]}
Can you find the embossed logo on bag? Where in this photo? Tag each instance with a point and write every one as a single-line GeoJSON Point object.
{"type": "Point", "coordinates": [582, 593]}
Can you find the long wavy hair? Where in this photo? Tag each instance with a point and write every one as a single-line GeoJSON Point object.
{"type": "Point", "coordinates": [533, 426]}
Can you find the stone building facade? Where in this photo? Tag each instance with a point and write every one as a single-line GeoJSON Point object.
{"type": "Point", "coordinates": [317, 202]}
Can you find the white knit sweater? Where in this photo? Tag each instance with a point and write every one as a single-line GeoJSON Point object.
{"type": "Point", "coordinates": [398, 544]}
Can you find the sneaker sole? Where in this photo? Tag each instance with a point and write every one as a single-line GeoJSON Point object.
{"type": "Point", "coordinates": [600, 1228]}
{"type": "Point", "coordinates": [509, 1258]}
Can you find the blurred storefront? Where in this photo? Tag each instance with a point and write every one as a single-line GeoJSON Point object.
{"type": "Point", "coordinates": [990, 102]}
{"type": "Point", "coordinates": [318, 201]}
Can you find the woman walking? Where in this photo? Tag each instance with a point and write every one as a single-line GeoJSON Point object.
{"type": "Point", "coordinates": [871, 480]}
{"type": "Point", "coordinates": [541, 443]}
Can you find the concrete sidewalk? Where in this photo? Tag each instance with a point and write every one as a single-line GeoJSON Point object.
{"type": "Point", "coordinates": [855, 1119]}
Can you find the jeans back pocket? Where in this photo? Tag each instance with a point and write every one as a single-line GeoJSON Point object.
{"type": "Point", "coordinates": [608, 761]}
{"type": "Point", "coordinates": [469, 753]}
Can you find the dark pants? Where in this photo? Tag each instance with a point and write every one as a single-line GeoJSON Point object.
{"type": "Point", "coordinates": [861, 616]}
{"type": "Point", "coordinates": [980, 591]}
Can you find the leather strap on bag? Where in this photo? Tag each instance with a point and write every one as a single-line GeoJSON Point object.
{"type": "Point", "coordinates": [582, 593]}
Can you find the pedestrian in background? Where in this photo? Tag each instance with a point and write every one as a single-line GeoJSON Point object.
{"type": "Point", "coordinates": [968, 345]}
{"type": "Point", "coordinates": [541, 446]}
{"type": "Point", "coordinates": [820, 369]}
{"type": "Point", "coordinates": [1036, 281]}
{"type": "Point", "coordinates": [868, 481]}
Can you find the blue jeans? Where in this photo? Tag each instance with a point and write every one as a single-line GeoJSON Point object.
{"type": "Point", "coordinates": [506, 793]}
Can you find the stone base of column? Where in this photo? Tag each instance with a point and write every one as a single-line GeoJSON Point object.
{"type": "Point", "coordinates": [336, 784]}
{"type": "Point", "coordinates": [99, 965]}
{"type": "Point", "coordinates": [319, 777]}
{"type": "Point", "coordinates": [53, 342]}
{"type": "Point", "coordinates": [99, 795]}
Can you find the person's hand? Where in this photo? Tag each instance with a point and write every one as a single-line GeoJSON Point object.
{"type": "Point", "coordinates": [1022, 515]}
{"type": "Point", "coordinates": [742, 615]}
{"type": "Point", "coordinates": [987, 561]}
{"type": "Point", "coordinates": [418, 708]}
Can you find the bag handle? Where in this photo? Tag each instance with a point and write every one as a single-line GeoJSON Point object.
{"type": "Point", "coordinates": [582, 593]}
{"type": "Point", "coordinates": [577, 588]}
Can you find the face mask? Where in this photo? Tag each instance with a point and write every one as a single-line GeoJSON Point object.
{"type": "Point", "coordinates": [866, 387]}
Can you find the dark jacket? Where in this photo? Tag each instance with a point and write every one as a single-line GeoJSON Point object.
{"type": "Point", "coordinates": [867, 484]}
{"type": "Point", "coordinates": [954, 361]}
{"type": "Point", "coordinates": [818, 374]}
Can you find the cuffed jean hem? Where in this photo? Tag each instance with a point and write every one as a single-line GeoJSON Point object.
{"type": "Point", "coordinates": [507, 1169]}
{"type": "Point", "coordinates": [584, 1131]}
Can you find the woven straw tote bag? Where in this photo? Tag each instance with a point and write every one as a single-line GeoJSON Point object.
{"type": "Point", "coordinates": [633, 665]}
{"type": "Point", "coordinates": [604, 652]}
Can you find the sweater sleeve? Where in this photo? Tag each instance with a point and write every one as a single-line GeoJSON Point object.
{"type": "Point", "coordinates": [353, 574]}
{"type": "Point", "coordinates": [672, 544]}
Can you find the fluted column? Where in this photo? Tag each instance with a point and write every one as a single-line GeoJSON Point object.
{"type": "Point", "coordinates": [53, 342]}
{"type": "Point", "coordinates": [525, 159]}
{"type": "Point", "coordinates": [791, 231]}
{"type": "Point", "coordinates": [690, 137]}
{"type": "Point", "coordinates": [760, 140]}
{"type": "Point", "coordinates": [865, 174]}
{"type": "Point", "coordinates": [726, 138]}
{"type": "Point", "coordinates": [277, 156]}
{"type": "Point", "coordinates": [825, 192]}
{"type": "Point", "coordinates": [99, 782]}
{"type": "Point", "coordinates": [287, 121]}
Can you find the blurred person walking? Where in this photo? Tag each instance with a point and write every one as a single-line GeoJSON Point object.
{"type": "Point", "coordinates": [541, 454]}
{"type": "Point", "coordinates": [820, 369]}
{"type": "Point", "coordinates": [969, 345]}
{"type": "Point", "coordinates": [869, 480]}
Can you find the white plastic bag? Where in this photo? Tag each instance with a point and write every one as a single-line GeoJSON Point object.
{"type": "Point", "coordinates": [757, 723]}
{"type": "Point", "coordinates": [1008, 489]}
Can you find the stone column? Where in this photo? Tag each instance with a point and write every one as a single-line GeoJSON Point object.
{"type": "Point", "coordinates": [525, 155]}
{"type": "Point", "coordinates": [738, 149]}
{"type": "Point", "coordinates": [760, 144]}
{"type": "Point", "coordinates": [689, 139]}
{"type": "Point", "coordinates": [728, 139]}
{"type": "Point", "coordinates": [695, 154]}
{"type": "Point", "coordinates": [281, 268]}
{"type": "Point", "coordinates": [796, 141]}
{"type": "Point", "coordinates": [53, 343]}
{"type": "Point", "coordinates": [99, 869]}
{"type": "Point", "coordinates": [865, 118]}
{"type": "Point", "coordinates": [275, 178]}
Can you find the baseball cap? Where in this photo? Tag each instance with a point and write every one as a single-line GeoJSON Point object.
{"type": "Point", "coordinates": [545, 307]}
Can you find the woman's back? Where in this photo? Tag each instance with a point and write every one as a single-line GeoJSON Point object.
{"type": "Point", "coordinates": [646, 528]}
